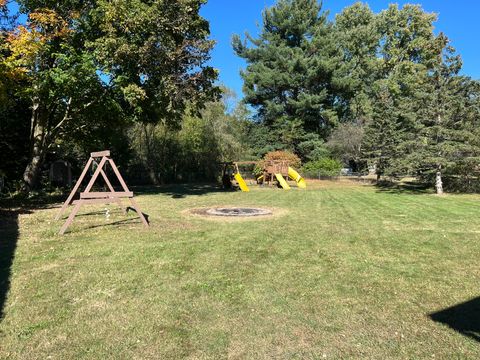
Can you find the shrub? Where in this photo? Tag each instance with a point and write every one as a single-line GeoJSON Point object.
{"type": "Point", "coordinates": [322, 167]}
{"type": "Point", "coordinates": [258, 169]}
{"type": "Point", "coordinates": [293, 160]}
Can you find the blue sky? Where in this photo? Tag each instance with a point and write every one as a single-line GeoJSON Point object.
{"type": "Point", "coordinates": [459, 20]}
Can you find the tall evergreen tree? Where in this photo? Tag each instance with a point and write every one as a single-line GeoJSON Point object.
{"type": "Point", "coordinates": [357, 36]}
{"type": "Point", "coordinates": [383, 132]}
{"type": "Point", "coordinates": [408, 51]}
{"type": "Point", "coordinates": [290, 67]}
{"type": "Point", "coordinates": [448, 113]}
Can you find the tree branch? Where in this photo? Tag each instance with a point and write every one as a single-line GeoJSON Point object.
{"type": "Point", "coordinates": [66, 116]}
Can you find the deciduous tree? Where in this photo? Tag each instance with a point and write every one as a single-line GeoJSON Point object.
{"type": "Point", "coordinates": [147, 56]}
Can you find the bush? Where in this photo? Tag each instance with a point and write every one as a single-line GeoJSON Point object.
{"type": "Point", "coordinates": [460, 184]}
{"type": "Point", "coordinates": [293, 160]}
{"type": "Point", "coordinates": [322, 167]}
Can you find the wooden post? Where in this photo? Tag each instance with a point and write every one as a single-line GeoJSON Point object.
{"type": "Point", "coordinates": [110, 187]}
{"type": "Point", "coordinates": [74, 190]}
{"type": "Point", "coordinates": [70, 218]}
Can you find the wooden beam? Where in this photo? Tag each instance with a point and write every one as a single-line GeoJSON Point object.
{"type": "Point", "coordinates": [119, 177]}
{"type": "Point", "coordinates": [95, 174]}
{"type": "Point", "coordinates": [103, 194]}
{"type": "Point", "coordinates": [245, 162]}
{"type": "Point", "coordinates": [95, 201]}
{"type": "Point", "coordinates": [70, 217]}
{"type": "Point", "coordinates": [74, 190]}
{"type": "Point", "coordinates": [139, 212]}
{"type": "Point", "coordinates": [100, 153]}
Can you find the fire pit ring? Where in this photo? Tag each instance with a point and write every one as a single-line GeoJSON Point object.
{"type": "Point", "coordinates": [237, 211]}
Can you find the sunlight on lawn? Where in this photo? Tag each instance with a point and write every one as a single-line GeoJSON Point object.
{"type": "Point", "coordinates": [349, 270]}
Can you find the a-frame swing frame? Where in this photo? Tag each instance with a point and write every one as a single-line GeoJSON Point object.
{"type": "Point", "coordinates": [102, 197]}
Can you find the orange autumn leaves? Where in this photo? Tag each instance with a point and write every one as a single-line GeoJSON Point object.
{"type": "Point", "coordinates": [27, 42]}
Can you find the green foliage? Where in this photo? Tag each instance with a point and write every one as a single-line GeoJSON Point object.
{"type": "Point", "coordinates": [193, 152]}
{"type": "Point", "coordinates": [322, 167]}
{"type": "Point", "coordinates": [377, 88]}
{"type": "Point", "coordinates": [419, 122]}
{"type": "Point", "coordinates": [312, 148]}
{"type": "Point", "coordinates": [259, 139]}
{"type": "Point", "coordinates": [447, 127]}
{"type": "Point", "coordinates": [382, 88]}
{"type": "Point", "coordinates": [383, 133]}
{"type": "Point", "coordinates": [391, 65]}
{"type": "Point", "coordinates": [157, 81]}
{"type": "Point", "coordinates": [14, 135]}
{"type": "Point", "coordinates": [76, 59]}
{"type": "Point", "coordinates": [289, 67]}
{"type": "Point", "coordinates": [357, 37]}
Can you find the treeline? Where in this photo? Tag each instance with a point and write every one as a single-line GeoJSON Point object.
{"type": "Point", "coordinates": [368, 91]}
{"type": "Point", "coordinates": [374, 90]}
{"type": "Point", "coordinates": [194, 152]}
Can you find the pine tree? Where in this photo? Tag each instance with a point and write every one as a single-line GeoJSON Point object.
{"type": "Point", "coordinates": [290, 67]}
{"type": "Point", "coordinates": [383, 132]}
{"type": "Point", "coordinates": [357, 36]}
{"type": "Point", "coordinates": [407, 53]}
{"type": "Point", "coordinates": [447, 117]}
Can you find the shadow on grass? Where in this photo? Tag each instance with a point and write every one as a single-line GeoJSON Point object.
{"type": "Point", "coordinates": [409, 187]}
{"type": "Point", "coordinates": [9, 231]}
{"type": "Point", "coordinates": [133, 221]}
{"type": "Point", "coordinates": [10, 210]}
{"type": "Point", "coordinates": [180, 191]}
{"type": "Point", "coordinates": [118, 211]}
{"type": "Point", "coordinates": [91, 213]}
{"type": "Point", "coordinates": [464, 318]}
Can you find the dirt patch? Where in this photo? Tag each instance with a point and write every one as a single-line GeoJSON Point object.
{"type": "Point", "coordinates": [238, 211]}
{"type": "Point", "coordinates": [235, 213]}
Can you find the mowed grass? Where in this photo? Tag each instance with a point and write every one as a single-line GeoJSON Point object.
{"type": "Point", "coordinates": [343, 271]}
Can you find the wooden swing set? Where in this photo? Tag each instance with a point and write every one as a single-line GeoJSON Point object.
{"type": "Point", "coordinates": [100, 159]}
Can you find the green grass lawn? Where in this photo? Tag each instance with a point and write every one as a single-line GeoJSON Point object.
{"type": "Point", "coordinates": [342, 271]}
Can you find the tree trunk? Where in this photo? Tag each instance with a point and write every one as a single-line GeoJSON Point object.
{"type": "Point", "coordinates": [153, 174]}
{"type": "Point", "coordinates": [149, 134]}
{"type": "Point", "coordinates": [378, 170]}
{"type": "Point", "coordinates": [38, 147]}
{"type": "Point", "coordinates": [438, 181]}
